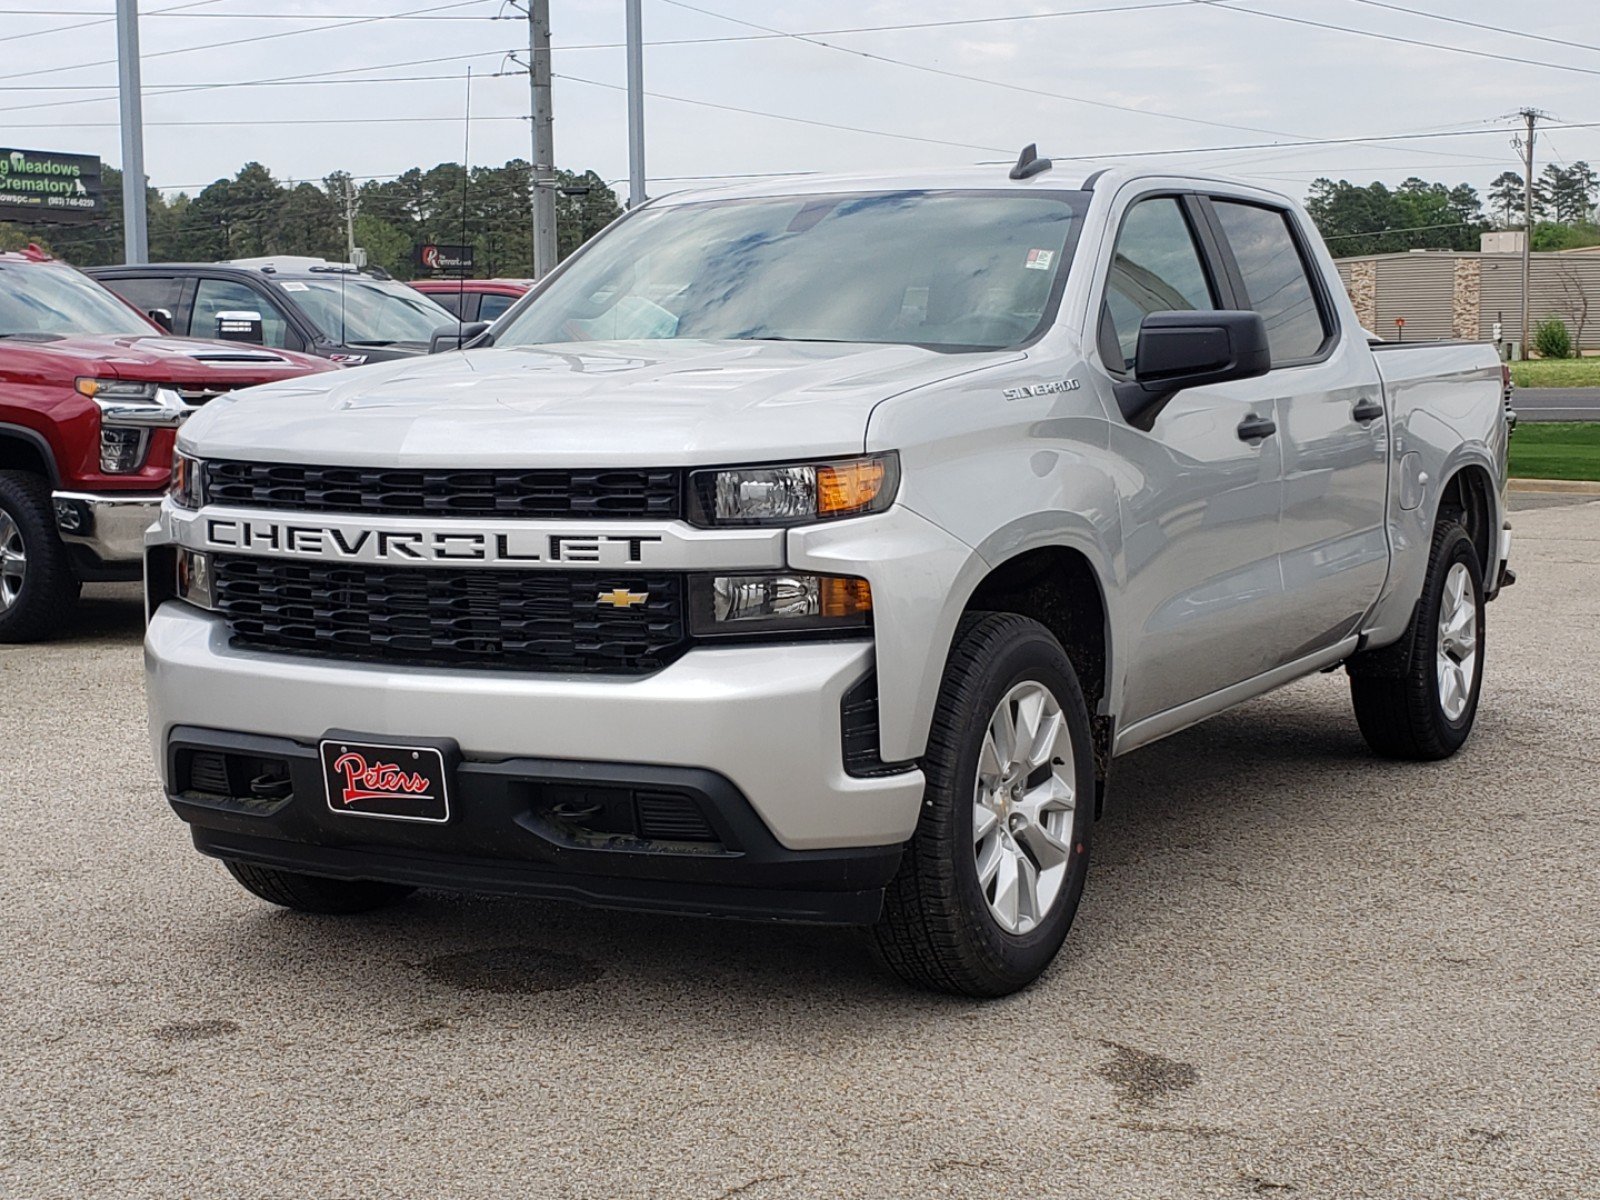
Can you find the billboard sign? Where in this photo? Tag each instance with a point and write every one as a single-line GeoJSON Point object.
{"type": "Point", "coordinates": [436, 256]}
{"type": "Point", "coordinates": [43, 187]}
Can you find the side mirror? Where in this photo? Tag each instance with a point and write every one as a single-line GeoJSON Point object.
{"type": "Point", "coordinates": [162, 317]}
{"type": "Point", "coordinates": [454, 337]}
{"type": "Point", "coordinates": [239, 325]}
{"type": "Point", "coordinates": [1179, 350]}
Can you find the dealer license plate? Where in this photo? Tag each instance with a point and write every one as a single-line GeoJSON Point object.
{"type": "Point", "coordinates": [397, 783]}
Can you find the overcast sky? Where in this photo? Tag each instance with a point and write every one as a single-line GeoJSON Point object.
{"type": "Point", "coordinates": [1156, 59]}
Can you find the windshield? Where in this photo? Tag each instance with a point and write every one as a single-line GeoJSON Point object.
{"type": "Point", "coordinates": [951, 270]}
{"type": "Point", "coordinates": [39, 298]}
{"type": "Point", "coordinates": [357, 310]}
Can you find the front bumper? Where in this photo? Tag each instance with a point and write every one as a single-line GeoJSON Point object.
{"type": "Point", "coordinates": [766, 718]}
{"type": "Point", "coordinates": [525, 826]}
{"type": "Point", "coordinates": [107, 527]}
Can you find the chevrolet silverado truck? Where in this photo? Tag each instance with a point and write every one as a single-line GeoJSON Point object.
{"type": "Point", "coordinates": [90, 393]}
{"type": "Point", "coordinates": [811, 550]}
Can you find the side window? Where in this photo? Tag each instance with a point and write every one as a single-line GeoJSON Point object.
{"type": "Point", "coordinates": [147, 292]}
{"type": "Point", "coordinates": [449, 301]}
{"type": "Point", "coordinates": [1155, 267]}
{"type": "Point", "coordinates": [493, 304]}
{"type": "Point", "coordinates": [214, 296]}
{"type": "Point", "coordinates": [1275, 278]}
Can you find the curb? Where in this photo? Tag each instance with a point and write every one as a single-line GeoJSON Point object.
{"type": "Point", "coordinates": [1580, 487]}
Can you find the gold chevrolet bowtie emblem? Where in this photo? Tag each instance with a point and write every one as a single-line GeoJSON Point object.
{"type": "Point", "coordinates": [622, 598]}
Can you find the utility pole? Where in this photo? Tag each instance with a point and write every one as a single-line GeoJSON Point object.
{"type": "Point", "coordinates": [1530, 117]}
{"type": "Point", "coordinates": [635, 41]}
{"type": "Point", "coordinates": [351, 206]}
{"type": "Point", "coordinates": [544, 147]}
{"type": "Point", "coordinates": [135, 236]}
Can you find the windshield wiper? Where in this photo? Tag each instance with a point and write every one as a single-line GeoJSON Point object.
{"type": "Point", "coordinates": [372, 342]}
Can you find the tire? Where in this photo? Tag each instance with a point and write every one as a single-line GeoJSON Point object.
{"type": "Point", "coordinates": [313, 893]}
{"type": "Point", "coordinates": [1402, 707]}
{"type": "Point", "coordinates": [37, 584]}
{"type": "Point", "coordinates": [943, 928]}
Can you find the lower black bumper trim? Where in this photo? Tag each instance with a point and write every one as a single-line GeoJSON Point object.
{"type": "Point", "coordinates": [598, 891]}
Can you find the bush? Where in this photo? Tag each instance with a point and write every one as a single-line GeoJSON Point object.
{"type": "Point", "coordinates": [1551, 339]}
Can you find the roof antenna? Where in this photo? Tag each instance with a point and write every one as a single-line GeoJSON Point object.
{"type": "Point", "coordinates": [1029, 163]}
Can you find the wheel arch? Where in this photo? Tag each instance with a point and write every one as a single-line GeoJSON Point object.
{"type": "Point", "coordinates": [1468, 495]}
{"type": "Point", "coordinates": [1059, 587]}
{"type": "Point", "coordinates": [26, 450]}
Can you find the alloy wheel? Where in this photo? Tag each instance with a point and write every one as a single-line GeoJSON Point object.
{"type": "Point", "coordinates": [1457, 648]}
{"type": "Point", "coordinates": [13, 561]}
{"type": "Point", "coordinates": [1023, 806]}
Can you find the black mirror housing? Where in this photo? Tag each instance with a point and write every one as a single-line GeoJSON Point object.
{"type": "Point", "coordinates": [454, 337]}
{"type": "Point", "coordinates": [1179, 350]}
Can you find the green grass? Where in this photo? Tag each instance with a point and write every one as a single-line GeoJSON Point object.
{"type": "Point", "coordinates": [1557, 372]}
{"type": "Point", "coordinates": [1558, 450]}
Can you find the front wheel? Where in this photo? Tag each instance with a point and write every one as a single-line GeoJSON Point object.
{"type": "Point", "coordinates": [37, 586]}
{"type": "Point", "coordinates": [1418, 698]}
{"type": "Point", "coordinates": [990, 881]}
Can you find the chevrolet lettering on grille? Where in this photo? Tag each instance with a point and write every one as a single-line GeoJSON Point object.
{"type": "Point", "coordinates": [400, 546]}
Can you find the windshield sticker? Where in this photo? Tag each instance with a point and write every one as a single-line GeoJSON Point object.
{"type": "Point", "coordinates": [290, 285]}
{"type": "Point", "coordinates": [1039, 260]}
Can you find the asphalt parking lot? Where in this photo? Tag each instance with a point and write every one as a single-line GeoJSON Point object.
{"type": "Point", "coordinates": [1297, 971]}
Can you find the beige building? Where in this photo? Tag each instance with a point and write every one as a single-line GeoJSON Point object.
{"type": "Point", "coordinates": [1461, 294]}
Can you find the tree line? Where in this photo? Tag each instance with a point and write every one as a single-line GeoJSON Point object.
{"type": "Point", "coordinates": [1422, 215]}
{"type": "Point", "coordinates": [253, 214]}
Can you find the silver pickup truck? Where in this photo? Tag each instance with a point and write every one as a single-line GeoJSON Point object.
{"type": "Point", "coordinates": [811, 550]}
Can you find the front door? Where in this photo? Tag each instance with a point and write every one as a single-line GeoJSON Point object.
{"type": "Point", "coordinates": [1200, 501]}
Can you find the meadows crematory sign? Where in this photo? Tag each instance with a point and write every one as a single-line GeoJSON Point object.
{"type": "Point", "coordinates": [39, 187]}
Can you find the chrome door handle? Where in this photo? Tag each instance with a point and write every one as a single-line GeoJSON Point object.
{"type": "Point", "coordinates": [1253, 428]}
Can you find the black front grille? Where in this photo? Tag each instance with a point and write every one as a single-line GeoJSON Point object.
{"type": "Point", "coordinates": [461, 493]}
{"type": "Point", "coordinates": [515, 620]}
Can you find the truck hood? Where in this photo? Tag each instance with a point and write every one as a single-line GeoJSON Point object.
{"type": "Point", "coordinates": [647, 403]}
{"type": "Point", "coordinates": [164, 359]}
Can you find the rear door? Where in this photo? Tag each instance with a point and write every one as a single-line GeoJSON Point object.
{"type": "Point", "coordinates": [1332, 428]}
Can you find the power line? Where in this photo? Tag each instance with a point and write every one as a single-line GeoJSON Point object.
{"type": "Point", "coordinates": [1146, 112]}
{"type": "Point", "coordinates": [253, 16]}
{"type": "Point", "coordinates": [1433, 16]}
{"type": "Point", "coordinates": [756, 112]}
{"type": "Point", "coordinates": [108, 19]}
{"type": "Point", "coordinates": [1220, 6]}
{"type": "Point", "coordinates": [931, 70]}
{"type": "Point", "coordinates": [275, 79]}
{"type": "Point", "coordinates": [1339, 237]}
{"type": "Point", "coordinates": [262, 37]}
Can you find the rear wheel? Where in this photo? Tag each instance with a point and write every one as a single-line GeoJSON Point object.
{"type": "Point", "coordinates": [313, 893]}
{"type": "Point", "coordinates": [1418, 698]}
{"type": "Point", "coordinates": [37, 586]}
{"type": "Point", "coordinates": [990, 881]}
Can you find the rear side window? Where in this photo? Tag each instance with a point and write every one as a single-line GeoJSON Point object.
{"type": "Point", "coordinates": [1275, 279]}
{"type": "Point", "coordinates": [1156, 267]}
{"type": "Point", "coordinates": [449, 301]}
{"type": "Point", "coordinates": [493, 304]}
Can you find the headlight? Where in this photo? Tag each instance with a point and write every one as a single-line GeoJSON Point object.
{"type": "Point", "coordinates": [188, 488]}
{"type": "Point", "coordinates": [195, 579]}
{"type": "Point", "coordinates": [116, 389]}
{"type": "Point", "coordinates": [122, 450]}
{"type": "Point", "coordinates": [723, 605]}
{"type": "Point", "coordinates": [793, 494]}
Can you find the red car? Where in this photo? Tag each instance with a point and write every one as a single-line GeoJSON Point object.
{"type": "Point", "coordinates": [91, 394]}
{"type": "Point", "coordinates": [474, 299]}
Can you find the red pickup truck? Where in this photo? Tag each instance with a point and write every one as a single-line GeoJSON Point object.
{"type": "Point", "coordinates": [90, 394]}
